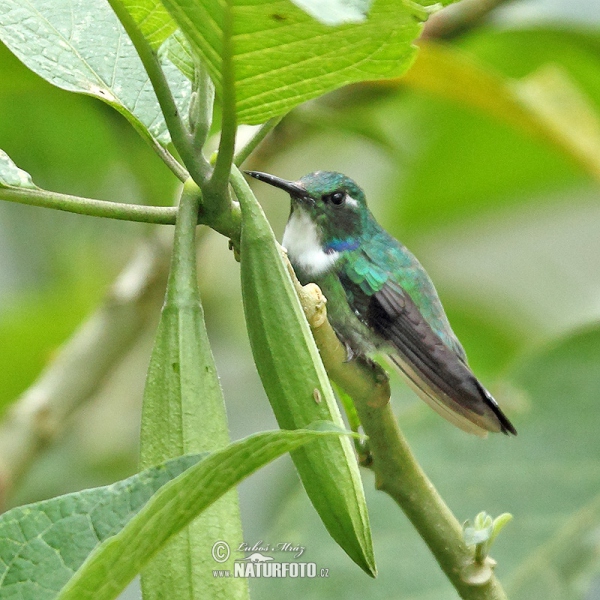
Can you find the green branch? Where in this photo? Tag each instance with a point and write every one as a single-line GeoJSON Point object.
{"type": "Point", "coordinates": [87, 206]}
{"type": "Point", "coordinates": [180, 136]}
{"type": "Point", "coordinates": [220, 177]}
{"type": "Point", "coordinates": [396, 469]}
{"type": "Point", "coordinates": [202, 112]}
{"type": "Point", "coordinates": [176, 167]}
{"type": "Point", "coordinates": [228, 224]}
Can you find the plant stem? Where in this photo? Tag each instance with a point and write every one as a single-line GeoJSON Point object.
{"type": "Point", "coordinates": [396, 469]}
{"type": "Point", "coordinates": [400, 476]}
{"type": "Point", "coordinates": [228, 223]}
{"type": "Point", "coordinates": [220, 177]}
{"type": "Point", "coordinates": [165, 215]}
{"type": "Point", "coordinates": [176, 167]}
{"type": "Point", "coordinates": [180, 136]}
{"type": "Point", "coordinates": [205, 97]}
{"type": "Point", "coordinates": [184, 413]}
{"type": "Point", "coordinates": [182, 284]}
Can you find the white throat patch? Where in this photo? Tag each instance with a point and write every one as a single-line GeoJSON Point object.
{"type": "Point", "coordinates": [301, 240]}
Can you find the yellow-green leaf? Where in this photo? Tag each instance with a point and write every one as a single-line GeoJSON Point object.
{"type": "Point", "coordinates": [279, 56]}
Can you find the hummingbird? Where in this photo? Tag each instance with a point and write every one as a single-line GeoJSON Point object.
{"type": "Point", "coordinates": [379, 297]}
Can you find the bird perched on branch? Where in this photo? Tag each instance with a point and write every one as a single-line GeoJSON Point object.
{"type": "Point", "coordinates": [380, 299]}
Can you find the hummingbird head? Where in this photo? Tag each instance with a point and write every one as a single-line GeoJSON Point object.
{"type": "Point", "coordinates": [329, 215]}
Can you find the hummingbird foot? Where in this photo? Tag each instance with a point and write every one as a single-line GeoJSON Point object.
{"type": "Point", "coordinates": [350, 352]}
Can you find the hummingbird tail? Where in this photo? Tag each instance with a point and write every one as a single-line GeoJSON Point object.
{"type": "Point", "coordinates": [506, 427]}
{"type": "Point", "coordinates": [491, 418]}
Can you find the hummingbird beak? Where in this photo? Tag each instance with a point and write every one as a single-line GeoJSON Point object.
{"type": "Point", "coordinates": [295, 190]}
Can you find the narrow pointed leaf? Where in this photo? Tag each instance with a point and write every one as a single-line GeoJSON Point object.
{"type": "Point", "coordinates": [118, 527]}
{"type": "Point", "coordinates": [184, 413]}
{"type": "Point", "coordinates": [500, 523]}
{"type": "Point", "coordinates": [295, 381]}
{"type": "Point", "coordinates": [80, 46]}
{"type": "Point", "coordinates": [281, 56]}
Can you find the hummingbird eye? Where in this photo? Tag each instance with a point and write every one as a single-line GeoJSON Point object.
{"type": "Point", "coordinates": [336, 198]}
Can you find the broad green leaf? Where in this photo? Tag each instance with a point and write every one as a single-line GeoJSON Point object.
{"type": "Point", "coordinates": [178, 50]}
{"type": "Point", "coordinates": [296, 383]}
{"type": "Point", "coordinates": [546, 105]}
{"type": "Point", "coordinates": [90, 544]}
{"type": "Point", "coordinates": [184, 413]}
{"type": "Point", "coordinates": [38, 555]}
{"type": "Point", "coordinates": [152, 19]}
{"type": "Point", "coordinates": [75, 145]}
{"type": "Point", "coordinates": [80, 46]}
{"type": "Point", "coordinates": [11, 175]}
{"type": "Point", "coordinates": [279, 56]}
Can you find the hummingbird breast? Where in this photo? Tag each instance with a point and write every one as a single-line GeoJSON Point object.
{"type": "Point", "coordinates": [302, 240]}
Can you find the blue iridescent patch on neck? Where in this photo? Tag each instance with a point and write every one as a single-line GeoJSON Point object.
{"type": "Point", "coordinates": [342, 245]}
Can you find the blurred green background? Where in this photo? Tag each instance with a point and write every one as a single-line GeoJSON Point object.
{"type": "Point", "coordinates": [507, 225]}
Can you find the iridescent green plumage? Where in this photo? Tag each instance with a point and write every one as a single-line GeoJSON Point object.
{"type": "Point", "coordinates": [380, 298]}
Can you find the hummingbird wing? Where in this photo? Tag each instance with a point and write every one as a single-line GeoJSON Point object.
{"type": "Point", "coordinates": [438, 375]}
{"type": "Point", "coordinates": [432, 362]}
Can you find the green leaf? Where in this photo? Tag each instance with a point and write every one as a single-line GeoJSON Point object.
{"type": "Point", "coordinates": [153, 20]}
{"type": "Point", "coordinates": [184, 413]}
{"type": "Point", "coordinates": [481, 534]}
{"type": "Point", "coordinates": [281, 57]}
{"type": "Point", "coordinates": [38, 555]}
{"type": "Point", "coordinates": [296, 383]}
{"type": "Point", "coordinates": [80, 46]}
{"type": "Point", "coordinates": [178, 50]}
{"type": "Point", "coordinates": [11, 175]}
{"type": "Point", "coordinates": [74, 546]}
{"type": "Point", "coordinates": [500, 522]}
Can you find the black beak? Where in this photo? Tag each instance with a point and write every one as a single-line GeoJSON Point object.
{"type": "Point", "coordinates": [293, 189]}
